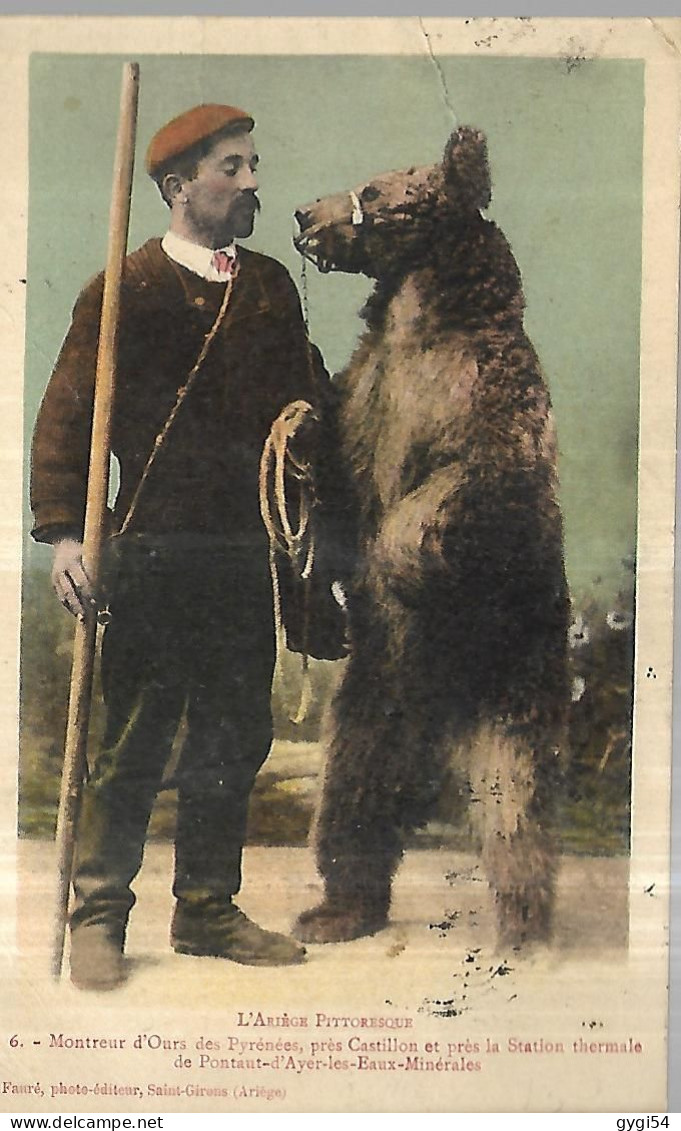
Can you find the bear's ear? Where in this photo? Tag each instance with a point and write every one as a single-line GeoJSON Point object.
{"type": "Point", "coordinates": [466, 170]}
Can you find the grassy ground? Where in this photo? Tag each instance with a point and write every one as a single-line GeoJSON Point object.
{"type": "Point", "coordinates": [284, 798]}
{"type": "Point", "coordinates": [595, 801]}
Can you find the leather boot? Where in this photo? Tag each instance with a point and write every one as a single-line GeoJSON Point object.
{"type": "Point", "coordinates": [224, 931]}
{"type": "Point", "coordinates": [97, 961]}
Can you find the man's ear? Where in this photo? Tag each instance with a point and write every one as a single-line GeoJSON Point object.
{"type": "Point", "coordinates": [172, 188]}
{"type": "Point", "coordinates": [466, 170]}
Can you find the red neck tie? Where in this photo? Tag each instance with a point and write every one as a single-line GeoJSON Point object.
{"type": "Point", "coordinates": [223, 261]}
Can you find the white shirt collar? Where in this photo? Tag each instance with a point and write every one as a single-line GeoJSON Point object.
{"type": "Point", "coordinates": [195, 257]}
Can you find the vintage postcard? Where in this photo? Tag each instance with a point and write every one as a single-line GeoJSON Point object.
{"type": "Point", "coordinates": [447, 888]}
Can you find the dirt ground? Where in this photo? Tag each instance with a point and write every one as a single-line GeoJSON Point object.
{"type": "Point", "coordinates": [441, 911]}
{"type": "Point", "coordinates": [435, 970]}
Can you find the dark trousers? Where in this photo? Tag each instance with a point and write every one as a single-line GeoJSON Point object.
{"type": "Point", "coordinates": [191, 630]}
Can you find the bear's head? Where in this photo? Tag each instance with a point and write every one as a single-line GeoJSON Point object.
{"type": "Point", "coordinates": [370, 228]}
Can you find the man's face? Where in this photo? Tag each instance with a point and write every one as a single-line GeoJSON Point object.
{"type": "Point", "coordinates": [221, 199]}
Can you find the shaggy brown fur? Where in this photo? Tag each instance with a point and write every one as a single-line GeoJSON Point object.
{"type": "Point", "coordinates": [458, 606]}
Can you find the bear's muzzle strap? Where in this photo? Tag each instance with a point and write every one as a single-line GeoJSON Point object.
{"type": "Point", "coordinates": [357, 213]}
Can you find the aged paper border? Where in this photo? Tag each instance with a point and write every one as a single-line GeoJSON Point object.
{"type": "Point", "coordinates": [643, 986]}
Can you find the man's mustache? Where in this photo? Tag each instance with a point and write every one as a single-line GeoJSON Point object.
{"type": "Point", "coordinates": [251, 199]}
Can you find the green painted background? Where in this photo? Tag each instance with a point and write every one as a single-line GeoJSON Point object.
{"type": "Point", "coordinates": [566, 151]}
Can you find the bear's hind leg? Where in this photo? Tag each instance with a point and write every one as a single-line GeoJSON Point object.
{"type": "Point", "coordinates": [512, 804]}
{"type": "Point", "coordinates": [358, 850]}
{"type": "Point", "coordinates": [361, 817]}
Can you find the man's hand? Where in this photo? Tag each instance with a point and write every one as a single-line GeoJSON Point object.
{"type": "Point", "coordinates": [70, 581]}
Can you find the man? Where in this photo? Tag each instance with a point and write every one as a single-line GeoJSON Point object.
{"type": "Point", "coordinates": [191, 632]}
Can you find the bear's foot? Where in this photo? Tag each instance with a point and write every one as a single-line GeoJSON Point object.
{"type": "Point", "coordinates": [335, 922]}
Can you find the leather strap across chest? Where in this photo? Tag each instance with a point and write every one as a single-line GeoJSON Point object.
{"type": "Point", "coordinates": [181, 396]}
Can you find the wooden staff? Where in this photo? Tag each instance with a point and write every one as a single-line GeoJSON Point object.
{"type": "Point", "coordinates": [80, 695]}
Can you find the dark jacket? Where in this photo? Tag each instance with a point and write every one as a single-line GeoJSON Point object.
{"type": "Point", "coordinates": [205, 478]}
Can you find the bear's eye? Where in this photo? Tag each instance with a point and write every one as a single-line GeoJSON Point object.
{"type": "Point", "coordinates": [369, 193]}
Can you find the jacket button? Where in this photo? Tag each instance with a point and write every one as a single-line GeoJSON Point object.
{"type": "Point", "coordinates": [199, 301]}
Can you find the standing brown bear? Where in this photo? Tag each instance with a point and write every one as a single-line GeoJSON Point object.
{"type": "Point", "coordinates": [458, 603]}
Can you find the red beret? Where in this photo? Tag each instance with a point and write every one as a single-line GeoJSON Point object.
{"type": "Point", "coordinates": [189, 128]}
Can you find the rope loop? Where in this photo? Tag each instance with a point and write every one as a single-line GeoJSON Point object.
{"type": "Point", "coordinates": [289, 525]}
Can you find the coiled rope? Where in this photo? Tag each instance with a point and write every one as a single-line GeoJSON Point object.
{"type": "Point", "coordinates": [293, 538]}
